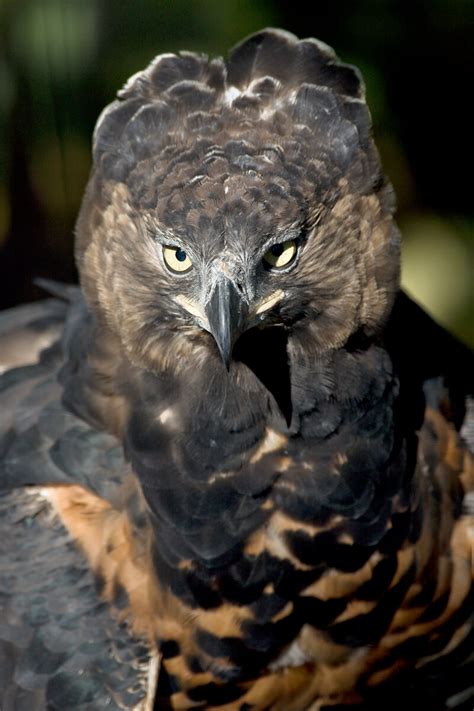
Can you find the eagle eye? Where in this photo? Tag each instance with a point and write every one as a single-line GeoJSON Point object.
{"type": "Point", "coordinates": [177, 260]}
{"type": "Point", "coordinates": [280, 255]}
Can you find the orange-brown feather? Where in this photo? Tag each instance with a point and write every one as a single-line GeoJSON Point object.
{"type": "Point", "coordinates": [120, 556]}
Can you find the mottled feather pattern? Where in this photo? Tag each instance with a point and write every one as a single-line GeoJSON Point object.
{"type": "Point", "coordinates": [289, 528]}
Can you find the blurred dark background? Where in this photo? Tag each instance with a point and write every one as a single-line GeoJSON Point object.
{"type": "Point", "coordinates": [61, 61]}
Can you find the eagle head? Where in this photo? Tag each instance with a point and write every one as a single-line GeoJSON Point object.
{"type": "Point", "coordinates": [227, 197]}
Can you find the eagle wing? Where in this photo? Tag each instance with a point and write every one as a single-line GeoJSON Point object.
{"type": "Point", "coordinates": [61, 647]}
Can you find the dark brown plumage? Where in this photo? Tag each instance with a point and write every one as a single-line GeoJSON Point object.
{"type": "Point", "coordinates": [289, 524]}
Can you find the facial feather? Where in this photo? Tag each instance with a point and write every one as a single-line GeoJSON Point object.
{"type": "Point", "coordinates": [187, 159]}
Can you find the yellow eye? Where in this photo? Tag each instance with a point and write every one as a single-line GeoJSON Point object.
{"type": "Point", "coordinates": [177, 260]}
{"type": "Point", "coordinates": [280, 255]}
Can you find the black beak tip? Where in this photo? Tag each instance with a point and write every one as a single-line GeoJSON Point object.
{"type": "Point", "coordinates": [225, 352]}
{"type": "Point", "coordinates": [225, 312]}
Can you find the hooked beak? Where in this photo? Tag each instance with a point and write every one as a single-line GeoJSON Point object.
{"type": "Point", "coordinates": [226, 311]}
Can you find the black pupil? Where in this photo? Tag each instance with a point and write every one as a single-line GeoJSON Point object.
{"type": "Point", "coordinates": [180, 255]}
{"type": "Point", "coordinates": [277, 249]}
